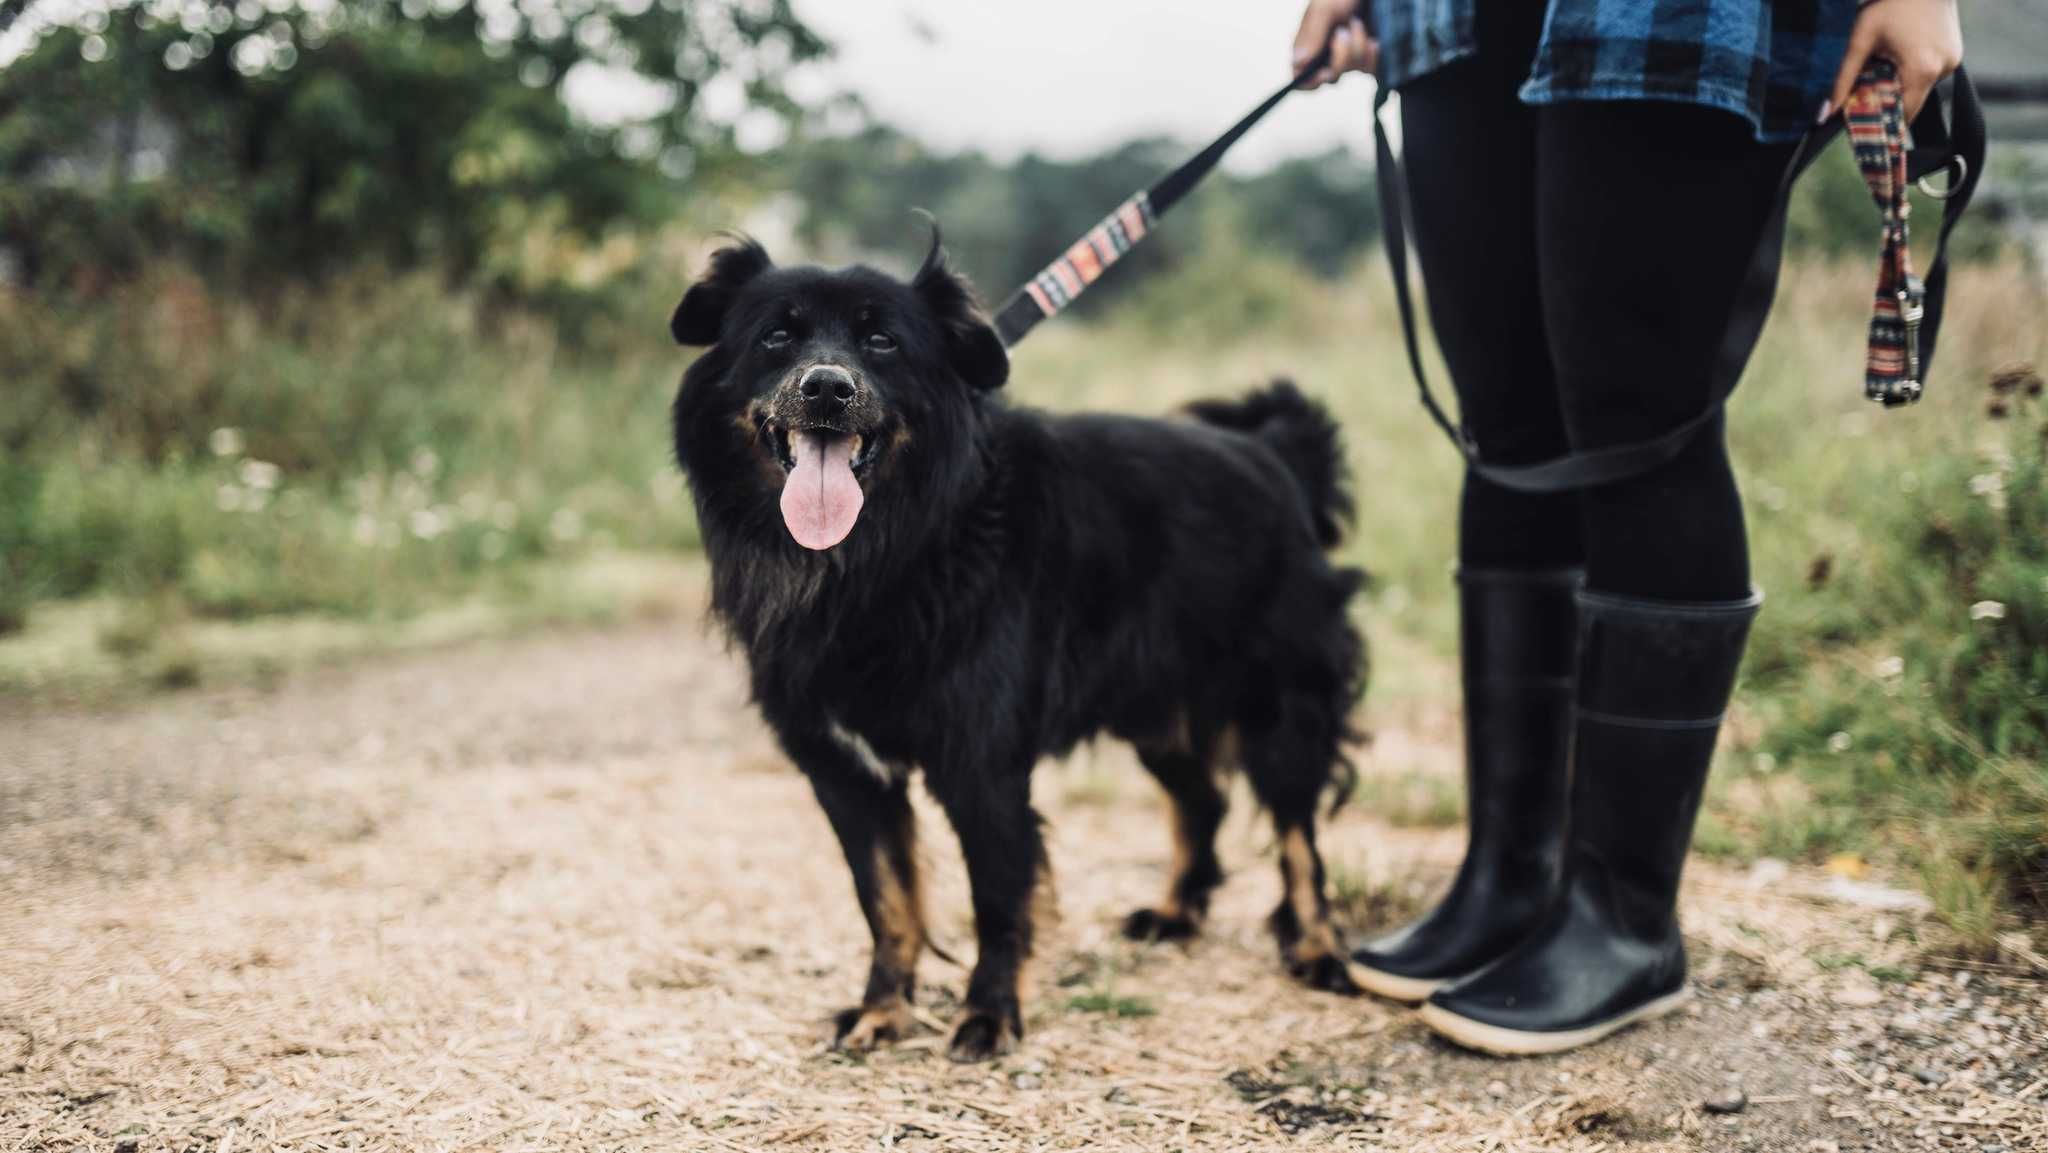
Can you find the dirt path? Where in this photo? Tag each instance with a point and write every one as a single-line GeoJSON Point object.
{"type": "Point", "coordinates": [563, 894]}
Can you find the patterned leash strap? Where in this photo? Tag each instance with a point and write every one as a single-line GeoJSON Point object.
{"type": "Point", "coordinates": [1060, 283]}
{"type": "Point", "coordinates": [1876, 118]}
{"type": "Point", "coordinates": [1054, 288]}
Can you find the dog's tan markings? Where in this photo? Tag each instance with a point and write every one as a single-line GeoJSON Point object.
{"type": "Point", "coordinates": [897, 911]}
{"type": "Point", "coordinates": [1305, 897]}
{"type": "Point", "coordinates": [899, 908]}
{"type": "Point", "coordinates": [1171, 906]}
{"type": "Point", "coordinates": [876, 1025]}
{"type": "Point", "coordinates": [1044, 912]}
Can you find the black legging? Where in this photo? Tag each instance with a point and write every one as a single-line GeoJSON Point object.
{"type": "Point", "coordinates": [1581, 261]}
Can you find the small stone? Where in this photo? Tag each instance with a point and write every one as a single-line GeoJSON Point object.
{"type": "Point", "coordinates": [1496, 1088]}
{"type": "Point", "coordinates": [1733, 1102]}
{"type": "Point", "coordinates": [1818, 1145]}
{"type": "Point", "coordinates": [1026, 1080]}
{"type": "Point", "coordinates": [1929, 1076]}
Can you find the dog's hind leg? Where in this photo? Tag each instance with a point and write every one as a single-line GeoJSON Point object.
{"type": "Point", "coordinates": [878, 833]}
{"type": "Point", "coordinates": [1289, 765]}
{"type": "Point", "coordinates": [1198, 800]}
{"type": "Point", "coordinates": [1011, 883]}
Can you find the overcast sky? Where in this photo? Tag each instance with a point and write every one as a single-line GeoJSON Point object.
{"type": "Point", "coordinates": [1066, 77]}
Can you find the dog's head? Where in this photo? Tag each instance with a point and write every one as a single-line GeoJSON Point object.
{"type": "Point", "coordinates": [829, 395]}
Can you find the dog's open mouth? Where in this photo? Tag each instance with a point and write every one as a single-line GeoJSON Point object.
{"type": "Point", "coordinates": [781, 437]}
{"type": "Point", "coordinates": [821, 493]}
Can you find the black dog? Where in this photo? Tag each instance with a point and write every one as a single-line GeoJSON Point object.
{"type": "Point", "coordinates": [922, 575]}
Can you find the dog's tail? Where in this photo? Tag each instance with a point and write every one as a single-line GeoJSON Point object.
{"type": "Point", "coordinates": [1307, 438]}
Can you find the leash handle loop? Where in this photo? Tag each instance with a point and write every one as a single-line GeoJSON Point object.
{"type": "Point", "coordinates": [1916, 306]}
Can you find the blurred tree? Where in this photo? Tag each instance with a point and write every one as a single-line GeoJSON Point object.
{"type": "Point", "coordinates": [1004, 222]}
{"type": "Point", "coordinates": [265, 140]}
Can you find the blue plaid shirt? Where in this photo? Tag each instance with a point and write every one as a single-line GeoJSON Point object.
{"type": "Point", "coordinates": [1771, 61]}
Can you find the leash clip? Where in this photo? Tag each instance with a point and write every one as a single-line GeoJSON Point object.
{"type": "Point", "coordinates": [1912, 297]}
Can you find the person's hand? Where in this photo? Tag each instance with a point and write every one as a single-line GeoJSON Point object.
{"type": "Point", "coordinates": [1922, 37]}
{"type": "Point", "coordinates": [1337, 23]}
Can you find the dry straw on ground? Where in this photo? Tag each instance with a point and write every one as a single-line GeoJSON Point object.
{"type": "Point", "coordinates": [563, 895]}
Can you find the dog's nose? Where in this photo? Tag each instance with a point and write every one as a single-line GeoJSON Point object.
{"type": "Point", "coordinates": [827, 386]}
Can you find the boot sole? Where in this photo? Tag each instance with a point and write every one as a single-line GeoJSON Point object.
{"type": "Point", "coordinates": [1392, 986]}
{"type": "Point", "coordinates": [1502, 1042]}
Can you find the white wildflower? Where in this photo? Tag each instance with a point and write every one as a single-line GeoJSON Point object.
{"type": "Point", "coordinates": [425, 463]}
{"type": "Point", "coordinates": [474, 505]}
{"type": "Point", "coordinates": [228, 498]}
{"type": "Point", "coordinates": [407, 492]}
{"type": "Point", "coordinates": [566, 524]}
{"type": "Point", "coordinates": [260, 475]}
{"type": "Point", "coordinates": [1988, 611]}
{"type": "Point", "coordinates": [225, 442]}
{"type": "Point", "coordinates": [1840, 742]}
{"type": "Point", "coordinates": [1772, 497]}
{"type": "Point", "coordinates": [1990, 486]}
{"type": "Point", "coordinates": [426, 523]}
{"type": "Point", "coordinates": [1891, 667]}
{"type": "Point", "coordinates": [1766, 764]}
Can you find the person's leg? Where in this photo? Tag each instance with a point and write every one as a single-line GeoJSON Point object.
{"type": "Point", "coordinates": [1649, 216]}
{"type": "Point", "coordinates": [1471, 157]}
{"type": "Point", "coordinates": [1469, 147]}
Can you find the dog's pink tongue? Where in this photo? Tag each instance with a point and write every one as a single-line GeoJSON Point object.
{"type": "Point", "coordinates": [820, 499]}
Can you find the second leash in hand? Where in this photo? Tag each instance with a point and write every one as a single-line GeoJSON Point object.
{"type": "Point", "coordinates": [1906, 315]}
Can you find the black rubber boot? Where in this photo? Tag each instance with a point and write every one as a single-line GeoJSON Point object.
{"type": "Point", "coordinates": [1654, 681]}
{"type": "Point", "coordinates": [1519, 635]}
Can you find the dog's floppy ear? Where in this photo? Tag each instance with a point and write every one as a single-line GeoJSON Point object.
{"type": "Point", "coordinates": [972, 345]}
{"type": "Point", "coordinates": [701, 315]}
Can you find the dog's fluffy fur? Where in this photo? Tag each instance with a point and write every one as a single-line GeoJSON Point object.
{"type": "Point", "coordinates": [1016, 582]}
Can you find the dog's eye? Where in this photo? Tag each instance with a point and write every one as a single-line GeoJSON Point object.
{"type": "Point", "coordinates": [777, 339]}
{"type": "Point", "coordinates": [881, 342]}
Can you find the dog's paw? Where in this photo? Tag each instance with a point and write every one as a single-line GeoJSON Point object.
{"type": "Point", "coordinates": [864, 1028]}
{"type": "Point", "coordinates": [1326, 972]}
{"type": "Point", "coordinates": [982, 1036]}
{"type": "Point", "coordinates": [1152, 925]}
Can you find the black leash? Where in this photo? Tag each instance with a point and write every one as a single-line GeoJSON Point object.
{"type": "Point", "coordinates": [1955, 145]}
{"type": "Point", "coordinates": [1054, 288]}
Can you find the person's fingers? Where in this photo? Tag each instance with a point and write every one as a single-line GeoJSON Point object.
{"type": "Point", "coordinates": [1913, 91]}
{"type": "Point", "coordinates": [1368, 48]}
{"type": "Point", "coordinates": [1317, 21]}
{"type": "Point", "coordinates": [1344, 50]}
{"type": "Point", "coordinates": [1918, 77]}
{"type": "Point", "coordinates": [1861, 42]}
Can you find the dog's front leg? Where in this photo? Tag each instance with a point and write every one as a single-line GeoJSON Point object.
{"type": "Point", "coordinates": [878, 833]}
{"type": "Point", "coordinates": [1013, 900]}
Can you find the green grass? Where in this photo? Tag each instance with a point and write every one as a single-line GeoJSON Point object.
{"type": "Point", "coordinates": [174, 469]}
{"type": "Point", "coordinates": [371, 452]}
{"type": "Point", "coordinates": [1109, 1004]}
